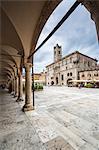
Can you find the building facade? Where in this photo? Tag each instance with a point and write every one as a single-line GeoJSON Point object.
{"type": "Point", "coordinates": [89, 75]}
{"type": "Point", "coordinates": [40, 78]}
{"type": "Point", "coordinates": [65, 69]}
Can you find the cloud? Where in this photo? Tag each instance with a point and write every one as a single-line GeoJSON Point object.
{"type": "Point", "coordinates": [77, 33]}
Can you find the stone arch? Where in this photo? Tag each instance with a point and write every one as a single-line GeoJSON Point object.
{"type": "Point", "coordinates": [52, 82]}
{"type": "Point", "coordinates": [47, 10]}
{"type": "Point", "coordinates": [8, 66]}
{"type": "Point", "coordinates": [93, 8]}
{"type": "Point", "coordinates": [9, 53]}
{"type": "Point", "coordinates": [13, 40]}
{"type": "Point", "coordinates": [68, 81]}
{"type": "Point", "coordinates": [27, 18]}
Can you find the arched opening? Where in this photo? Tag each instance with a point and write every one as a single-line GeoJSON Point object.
{"type": "Point", "coordinates": [52, 82]}
{"type": "Point", "coordinates": [69, 82]}
{"type": "Point", "coordinates": [56, 80]}
{"type": "Point", "coordinates": [77, 28]}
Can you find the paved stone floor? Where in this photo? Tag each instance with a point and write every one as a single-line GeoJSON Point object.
{"type": "Point", "coordinates": [64, 118]}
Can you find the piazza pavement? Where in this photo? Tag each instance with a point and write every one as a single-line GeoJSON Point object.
{"type": "Point", "coordinates": [65, 118]}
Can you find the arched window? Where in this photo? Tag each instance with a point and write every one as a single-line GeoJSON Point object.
{"type": "Point", "coordinates": [70, 73]}
{"type": "Point", "coordinates": [70, 59]}
{"type": "Point", "coordinates": [83, 75]}
{"type": "Point", "coordinates": [96, 75]}
{"type": "Point", "coordinates": [89, 75]}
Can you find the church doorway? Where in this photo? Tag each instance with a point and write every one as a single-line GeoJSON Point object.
{"type": "Point", "coordinates": [56, 80]}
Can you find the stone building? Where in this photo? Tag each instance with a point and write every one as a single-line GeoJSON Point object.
{"type": "Point", "coordinates": [65, 69]}
{"type": "Point", "coordinates": [89, 75]}
{"type": "Point", "coordinates": [40, 78]}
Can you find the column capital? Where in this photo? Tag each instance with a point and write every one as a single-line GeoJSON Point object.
{"type": "Point", "coordinates": [19, 72]}
{"type": "Point", "coordinates": [15, 77]}
{"type": "Point", "coordinates": [28, 66]}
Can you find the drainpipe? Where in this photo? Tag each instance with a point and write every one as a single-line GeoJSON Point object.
{"type": "Point", "coordinates": [33, 80]}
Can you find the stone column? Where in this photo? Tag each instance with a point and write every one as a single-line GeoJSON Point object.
{"type": "Point", "coordinates": [10, 86]}
{"type": "Point", "coordinates": [13, 87]}
{"type": "Point", "coordinates": [20, 90]}
{"type": "Point", "coordinates": [28, 88]}
{"type": "Point", "coordinates": [16, 86]}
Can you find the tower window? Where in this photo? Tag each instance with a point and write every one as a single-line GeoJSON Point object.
{"type": "Point", "coordinates": [96, 75]}
{"type": "Point", "coordinates": [70, 73]}
{"type": "Point", "coordinates": [59, 52]}
{"type": "Point", "coordinates": [83, 75]}
{"type": "Point", "coordinates": [89, 75]}
{"type": "Point", "coordinates": [67, 74]}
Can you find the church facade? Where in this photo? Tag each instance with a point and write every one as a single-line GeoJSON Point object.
{"type": "Point", "coordinates": [68, 68]}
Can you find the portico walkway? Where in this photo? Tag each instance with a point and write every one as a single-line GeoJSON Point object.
{"type": "Point", "coordinates": [16, 131]}
{"type": "Point", "coordinates": [64, 119]}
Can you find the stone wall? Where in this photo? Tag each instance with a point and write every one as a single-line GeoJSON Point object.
{"type": "Point", "coordinates": [89, 75]}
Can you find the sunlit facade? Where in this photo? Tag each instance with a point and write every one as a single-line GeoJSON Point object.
{"type": "Point", "coordinates": [68, 68]}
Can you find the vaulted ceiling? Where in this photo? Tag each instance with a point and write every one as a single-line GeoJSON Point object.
{"type": "Point", "coordinates": [20, 27]}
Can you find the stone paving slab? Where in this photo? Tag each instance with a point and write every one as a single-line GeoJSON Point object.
{"type": "Point", "coordinates": [23, 139]}
{"type": "Point", "coordinates": [58, 144]}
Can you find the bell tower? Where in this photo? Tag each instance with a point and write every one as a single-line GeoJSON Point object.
{"type": "Point", "coordinates": [57, 53]}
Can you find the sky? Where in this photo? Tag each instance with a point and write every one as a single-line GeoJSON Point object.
{"type": "Point", "coordinates": [78, 32]}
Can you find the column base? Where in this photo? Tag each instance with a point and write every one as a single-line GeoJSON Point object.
{"type": "Point", "coordinates": [12, 93]}
{"type": "Point", "coordinates": [15, 95]}
{"type": "Point", "coordinates": [19, 99]}
{"type": "Point", "coordinates": [27, 107]}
